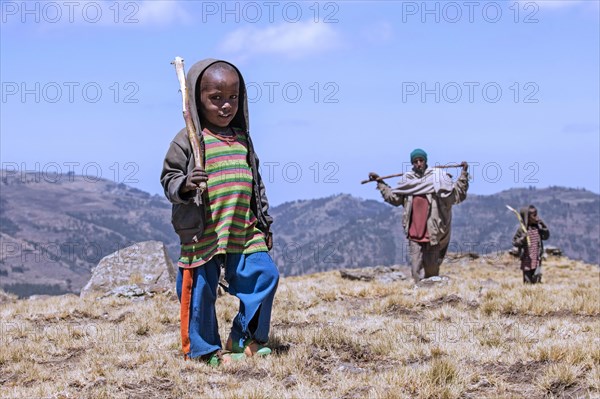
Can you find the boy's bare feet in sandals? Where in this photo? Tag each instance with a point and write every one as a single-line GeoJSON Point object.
{"type": "Point", "coordinates": [250, 348]}
{"type": "Point", "coordinates": [220, 357]}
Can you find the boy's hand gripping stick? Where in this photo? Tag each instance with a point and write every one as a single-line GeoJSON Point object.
{"type": "Point", "coordinates": [189, 123]}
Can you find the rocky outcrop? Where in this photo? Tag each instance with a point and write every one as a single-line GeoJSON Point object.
{"type": "Point", "coordinates": [132, 291]}
{"type": "Point", "coordinates": [434, 281]}
{"type": "Point", "coordinates": [144, 265]}
{"type": "Point", "coordinates": [382, 274]}
{"type": "Point", "coordinates": [453, 256]}
{"type": "Point", "coordinates": [552, 250]}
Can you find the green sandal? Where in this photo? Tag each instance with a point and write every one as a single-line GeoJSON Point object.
{"type": "Point", "coordinates": [220, 357]}
{"type": "Point", "coordinates": [250, 348]}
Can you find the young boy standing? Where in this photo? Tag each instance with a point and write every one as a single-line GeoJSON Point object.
{"type": "Point", "coordinates": [530, 245]}
{"type": "Point", "coordinates": [231, 226]}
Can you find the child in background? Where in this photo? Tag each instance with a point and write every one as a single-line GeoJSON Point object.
{"type": "Point", "coordinates": [231, 226]}
{"type": "Point", "coordinates": [532, 249]}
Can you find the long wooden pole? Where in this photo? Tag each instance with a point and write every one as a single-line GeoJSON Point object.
{"type": "Point", "coordinates": [400, 174]}
{"type": "Point", "coordinates": [189, 123]}
{"type": "Point", "coordinates": [521, 222]}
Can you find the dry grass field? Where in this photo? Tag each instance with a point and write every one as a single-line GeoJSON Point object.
{"type": "Point", "coordinates": [482, 335]}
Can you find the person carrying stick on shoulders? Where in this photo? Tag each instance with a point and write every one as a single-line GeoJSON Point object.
{"type": "Point", "coordinates": [427, 195]}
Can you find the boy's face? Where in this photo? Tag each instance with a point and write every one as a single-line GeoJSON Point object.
{"type": "Point", "coordinates": [219, 98]}
{"type": "Point", "coordinates": [532, 217]}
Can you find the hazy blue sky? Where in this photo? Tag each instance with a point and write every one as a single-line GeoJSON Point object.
{"type": "Point", "coordinates": [337, 89]}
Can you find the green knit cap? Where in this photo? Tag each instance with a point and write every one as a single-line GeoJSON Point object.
{"type": "Point", "coordinates": [418, 153]}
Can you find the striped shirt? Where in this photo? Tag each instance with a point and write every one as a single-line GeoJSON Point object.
{"type": "Point", "coordinates": [531, 259]}
{"type": "Point", "coordinates": [231, 225]}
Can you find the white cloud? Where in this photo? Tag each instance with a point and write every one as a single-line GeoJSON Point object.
{"type": "Point", "coordinates": [293, 40]}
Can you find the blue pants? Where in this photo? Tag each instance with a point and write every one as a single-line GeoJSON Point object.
{"type": "Point", "coordinates": [252, 278]}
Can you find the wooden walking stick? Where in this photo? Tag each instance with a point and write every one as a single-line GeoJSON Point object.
{"type": "Point", "coordinates": [189, 123]}
{"type": "Point", "coordinates": [382, 178]}
{"type": "Point", "coordinates": [521, 222]}
{"type": "Point", "coordinates": [400, 174]}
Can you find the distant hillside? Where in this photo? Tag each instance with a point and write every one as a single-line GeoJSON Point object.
{"type": "Point", "coordinates": [572, 215]}
{"type": "Point", "coordinates": [52, 234]}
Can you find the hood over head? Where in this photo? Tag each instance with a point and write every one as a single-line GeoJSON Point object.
{"type": "Point", "coordinates": [524, 212]}
{"type": "Point", "coordinates": [193, 79]}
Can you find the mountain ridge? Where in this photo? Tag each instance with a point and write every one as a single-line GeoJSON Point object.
{"type": "Point", "coordinates": [52, 233]}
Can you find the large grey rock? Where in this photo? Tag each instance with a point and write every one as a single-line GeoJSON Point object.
{"type": "Point", "coordinates": [128, 291]}
{"type": "Point", "coordinates": [144, 264]}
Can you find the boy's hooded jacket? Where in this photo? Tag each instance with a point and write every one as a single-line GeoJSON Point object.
{"type": "Point", "coordinates": [441, 194]}
{"type": "Point", "coordinates": [187, 218]}
{"type": "Point", "coordinates": [520, 238]}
